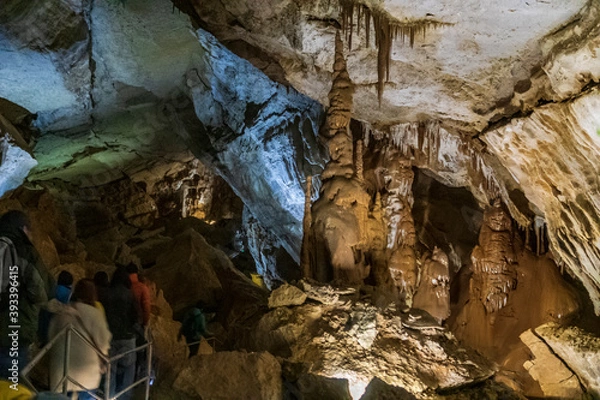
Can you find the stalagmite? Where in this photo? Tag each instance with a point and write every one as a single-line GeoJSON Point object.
{"type": "Point", "coordinates": [359, 161]}
{"type": "Point", "coordinates": [343, 231]}
{"type": "Point", "coordinates": [493, 259]}
{"type": "Point", "coordinates": [306, 226]}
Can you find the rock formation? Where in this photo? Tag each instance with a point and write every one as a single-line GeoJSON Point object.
{"type": "Point", "coordinates": [510, 290]}
{"type": "Point", "coordinates": [15, 155]}
{"type": "Point", "coordinates": [397, 177]}
{"type": "Point", "coordinates": [494, 274]}
{"type": "Point", "coordinates": [433, 294]}
{"type": "Point", "coordinates": [224, 375]}
{"type": "Point", "coordinates": [352, 339]}
{"type": "Point", "coordinates": [340, 236]}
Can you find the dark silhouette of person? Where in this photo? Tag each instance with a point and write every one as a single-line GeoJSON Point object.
{"type": "Point", "coordinates": [119, 305]}
{"type": "Point", "coordinates": [26, 287]}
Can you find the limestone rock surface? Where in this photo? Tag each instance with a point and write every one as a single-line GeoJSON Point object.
{"type": "Point", "coordinates": [578, 349]}
{"type": "Point", "coordinates": [16, 159]}
{"type": "Point", "coordinates": [561, 179]}
{"type": "Point", "coordinates": [227, 375]}
{"type": "Point", "coordinates": [355, 340]}
{"type": "Point", "coordinates": [286, 295]}
{"type": "Point", "coordinates": [185, 271]}
{"type": "Point", "coordinates": [379, 390]}
{"type": "Point", "coordinates": [555, 379]}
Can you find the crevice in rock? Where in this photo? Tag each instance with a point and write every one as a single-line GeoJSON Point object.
{"type": "Point", "coordinates": [521, 114]}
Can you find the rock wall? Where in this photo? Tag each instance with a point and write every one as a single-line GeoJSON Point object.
{"type": "Point", "coordinates": [551, 154]}
{"type": "Point", "coordinates": [16, 159]}
{"type": "Point", "coordinates": [260, 137]}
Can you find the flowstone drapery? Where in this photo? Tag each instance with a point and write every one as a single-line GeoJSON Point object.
{"type": "Point", "coordinates": [433, 294]}
{"type": "Point", "coordinates": [494, 274]}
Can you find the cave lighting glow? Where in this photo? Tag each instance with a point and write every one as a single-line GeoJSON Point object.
{"type": "Point", "coordinates": [357, 383]}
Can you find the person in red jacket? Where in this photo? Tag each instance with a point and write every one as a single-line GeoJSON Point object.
{"type": "Point", "coordinates": [141, 293]}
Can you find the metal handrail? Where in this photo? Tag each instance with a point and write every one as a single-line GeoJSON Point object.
{"type": "Point", "coordinates": [67, 331]}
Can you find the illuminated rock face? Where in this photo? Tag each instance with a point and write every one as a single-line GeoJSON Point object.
{"type": "Point", "coordinates": [15, 158]}
{"type": "Point", "coordinates": [260, 137]}
{"type": "Point", "coordinates": [352, 339]}
{"type": "Point", "coordinates": [579, 350]}
{"type": "Point", "coordinates": [552, 154]}
{"type": "Point", "coordinates": [135, 73]}
{"type": "Point", "coordinates": [509, 290]}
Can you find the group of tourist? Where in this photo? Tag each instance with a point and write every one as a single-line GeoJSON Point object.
{"type": "Point", "coordinates": [110, 317]}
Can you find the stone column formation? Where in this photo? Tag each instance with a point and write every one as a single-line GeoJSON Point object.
{"type": "Point", "coordinates": [342, 229]}
{"type": "Point", "coordinates": [401, 235]}
{"type": "Point", "coordinates": [494, 261]}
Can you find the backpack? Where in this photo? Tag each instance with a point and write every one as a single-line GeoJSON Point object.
{"type": "Point", "coordinates": [8, 260]}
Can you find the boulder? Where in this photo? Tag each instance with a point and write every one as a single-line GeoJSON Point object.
{"type": "Point", "coordinates": [185, 271]}
{"type": "Point", "coordinates": [554, 377]}
{"type": "Point", "coordinates": [286, 295]}
{"type": "Point", "coordinates": [231, 375]}
{"type": "Point", "coordinates": [317, 387]}
{"type": "Point", "coordinates": [357, 341]}
{"type": "Point", "coordinates": [578, 349]}
{"type": "Point", "coordinates": [169, 350]}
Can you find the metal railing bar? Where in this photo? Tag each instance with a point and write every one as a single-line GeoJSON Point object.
{"type": "Point", "coordinates": [91, 344]}
{"type": "Point", "coordinates": [148, 370]}
{"type": "Point", "coordinates": [67, 331]}
{"type": "Point", "coordinates": [43, 351]}
{"type": "Point", "coordinates": [62, 381]}
{"type": "Point", "coordinates": [134, 350]}
{"type": "Point", "coordinates": [67, 359]}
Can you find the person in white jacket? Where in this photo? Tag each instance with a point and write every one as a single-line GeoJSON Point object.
{"type": "Point", "coordinates": [85, 365]}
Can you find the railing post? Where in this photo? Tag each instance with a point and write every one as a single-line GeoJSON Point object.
{"type": "Point", "coordinates": [107, 394]}
{"type": "Point", "coordinates": [67, 359]}
{"type": "Point", "coordinates": [148, 369]}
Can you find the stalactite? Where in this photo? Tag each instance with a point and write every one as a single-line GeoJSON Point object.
{"type": "Point", "coordinates": [306, 226]}
{"type": "Point", "coordinates": [423, 141]}
{"type": "Point", "coordinates": [366, 131]}
{"type": "Point", "coordinates": [358, 162]}
{"type": "Point", "coordinates": [386, 29]}
{"type": "Point", "coordinates": [538, 225]}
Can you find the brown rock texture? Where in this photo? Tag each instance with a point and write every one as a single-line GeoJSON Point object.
{"type": "Point", "coordinates": [185, 272]}
{"type": "Point", "coordinates": [551, 154]}
{"type": "Point", "coordinates": [354, 340]}
{"type": "Point", "coordinates": [578, 349]}
{"type": "Point", "coordinates": [228, 375]}
{"type": "Point", "coordinates": [555, 379]}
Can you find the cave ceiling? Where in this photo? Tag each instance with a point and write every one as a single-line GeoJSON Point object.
{"type": "Point", "coordinates": [504, 95]}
